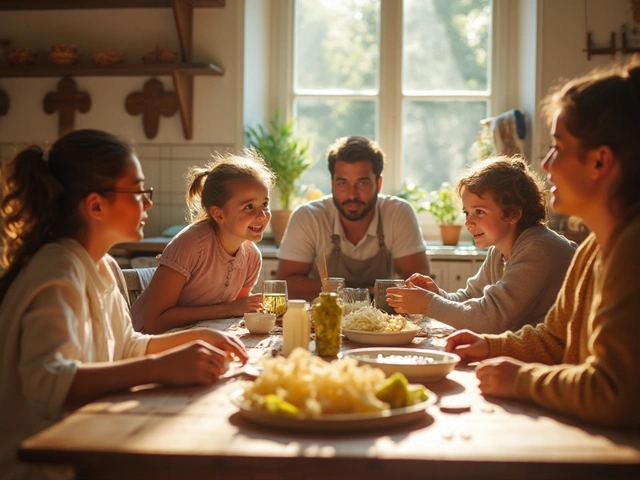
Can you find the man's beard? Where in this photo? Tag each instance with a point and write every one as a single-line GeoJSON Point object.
{"type": "Point", "coordinates": [354, 217]}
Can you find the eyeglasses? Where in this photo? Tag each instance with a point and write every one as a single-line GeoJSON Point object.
{"type": "Point", "coordinates": [148, 193]}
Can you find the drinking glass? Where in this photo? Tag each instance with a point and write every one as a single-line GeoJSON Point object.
{"type": "Point", "coordinates": [355, 298]}
{"type": "Point", "coordinates": [275, 296]}
{"type": "Point", "coordinates": [380, 293]}
{"type": "Point", "coordinates": [348, 298]}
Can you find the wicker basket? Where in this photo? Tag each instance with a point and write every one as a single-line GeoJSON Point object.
{"type": "Point", "coordinates": [63, 54]}
{"type": "Point", "coordinates": [107, 57]}
{"type": "Point", "coordinates": [20, 56]}
{"type": "Point", "coordinates": [160, 55]}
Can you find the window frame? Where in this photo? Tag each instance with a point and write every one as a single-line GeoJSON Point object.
{"type": "Point", "coordinates": [503, 77]}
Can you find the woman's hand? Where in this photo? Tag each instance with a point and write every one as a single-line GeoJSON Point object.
{"type": "Point", "coordinates": [409, 299]}
{"type": "Point", "coordinates": [422, 281]}
{"type": "Point", "coordinates": [498, 376]}
{"type": "Point", "coordinates": [195, 363]}
{"type": "Point", "coordinates": [230, 344]}
{"type": "Point", "coordinates": [470, 346]}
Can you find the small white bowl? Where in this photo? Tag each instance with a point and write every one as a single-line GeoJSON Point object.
{"type": "Point", "coordinates": [259, 323]}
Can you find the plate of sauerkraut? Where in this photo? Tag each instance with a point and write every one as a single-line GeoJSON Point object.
{"type": "Point", "coordinates": [380, 338]}
{"type": "Point", "coordinates": [306, 393]}
{"type": "Point", "coordinates": [375, 327]}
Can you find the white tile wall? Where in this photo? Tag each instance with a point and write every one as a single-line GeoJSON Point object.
{"type": "Point", "coordinates": [165, 167]}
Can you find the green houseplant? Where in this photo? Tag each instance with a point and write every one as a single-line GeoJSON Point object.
{"type": "Point", "coordinates": [415, 195]}
{"type": "Point", "coordinates": [443, 207]}
{"type": "Point", "coordinates": [288, 155]}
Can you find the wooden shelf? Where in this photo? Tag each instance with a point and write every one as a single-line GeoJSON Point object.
{"type": "Point", "coordinates": [182, 73]}
{"type": "Point", "coordinates": [182, 11]}
{"type": "Point", "coordinates": [93, 4]}
{"type": "Point", "coordinates": [115, 70]}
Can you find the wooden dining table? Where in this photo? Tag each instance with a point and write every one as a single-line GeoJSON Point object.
{"type": "Point", "coordinates": [153, 432]}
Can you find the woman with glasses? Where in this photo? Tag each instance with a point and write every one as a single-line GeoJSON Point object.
{"type": "Point", "coordinates": [66, 336]}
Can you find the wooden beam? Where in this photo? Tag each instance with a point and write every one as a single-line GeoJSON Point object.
{"type": "Point", "coordinates": [114, 70]}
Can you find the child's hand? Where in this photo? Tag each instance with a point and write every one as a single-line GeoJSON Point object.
{"type": "Point", "coordinates": [422, 281]}
{"type": "Point", "coordinates": [470, 346]}
{"type": "Point", "coordinates": [409, 299]}
{"type": "Point", "coordinates": [498, 376]}
{"type": "Point", "coordinates": [195, 363]}
{"type": "Point", "coordinates": [251, 303]}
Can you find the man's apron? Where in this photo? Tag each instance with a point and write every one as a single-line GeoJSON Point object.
{"type": "Point", "coordinates": [360, 273]}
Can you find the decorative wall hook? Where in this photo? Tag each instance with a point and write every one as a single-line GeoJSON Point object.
{"type": "Point", "coordinates": [592, 50]}
{"type": "Point", "coordinates": [626, 49]}
{"type": "Point", "coordinates": [4, 103]}
{"type": "Point", "coordinates": [152, 102]}
{"type": "Point", "coordinates": [66, 101]}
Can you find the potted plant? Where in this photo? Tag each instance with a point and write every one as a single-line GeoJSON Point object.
{"type": "Point", "coordinates": [289, 156]}
{"type": "Point", "coordinates": [445, 210]}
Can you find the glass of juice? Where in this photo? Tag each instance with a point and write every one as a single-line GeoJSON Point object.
{"type": "Point", "coordinates": [275, 296]}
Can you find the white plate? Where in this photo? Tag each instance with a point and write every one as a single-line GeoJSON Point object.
{"type": "Point", "coordinates": [381, 338]}
{"type": "Point", "coordinates": [418, 365]}
{"type": "Point", "coordinates": [334, 422]}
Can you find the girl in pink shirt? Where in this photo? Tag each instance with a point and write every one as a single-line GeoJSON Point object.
{"type": "Point", "coordinates": [207, 271]}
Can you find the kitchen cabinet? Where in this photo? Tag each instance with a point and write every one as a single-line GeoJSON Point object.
{"type": "Point", "coordinates": [182, 72]}
{"type": "Point", "coordinates": [268, 272]}
{"type": "Point", "coordinates": [450, 275]}
{"type": "Point", "coordinates": [450, 267]}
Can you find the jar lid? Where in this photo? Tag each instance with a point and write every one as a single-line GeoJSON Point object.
{"type": "Point", "coordinates": [296, 303]}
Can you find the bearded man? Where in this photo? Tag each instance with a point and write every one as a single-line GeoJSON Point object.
{"type": "Point", "coordinates": [363, 234]}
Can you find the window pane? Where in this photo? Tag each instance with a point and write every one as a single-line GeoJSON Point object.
{"type": "Point", "coordinates": [326, 120]}
{"type": "Point", "coordinates": [437, 140]}
{"type": "Point", "coordinates": [337, 44]}
{"type": "Point", "coordinates": [446, 45]}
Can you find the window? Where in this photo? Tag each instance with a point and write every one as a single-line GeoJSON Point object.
{"type": "Point", "coordinates": [415, 75]}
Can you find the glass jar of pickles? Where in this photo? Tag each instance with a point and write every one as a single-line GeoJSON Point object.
{"type": "Point", "coordinates": [327, 315]}
{"type": "Point", "coordinates": [333, 284]}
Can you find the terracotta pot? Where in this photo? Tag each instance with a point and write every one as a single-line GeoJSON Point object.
{"type": "Point", "coordinates": [450, 234]}
{"type": "Point", "coordinates": [279, 219]}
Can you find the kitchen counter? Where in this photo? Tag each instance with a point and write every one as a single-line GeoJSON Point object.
{"type": "Point", "coordinates": [150, 247]}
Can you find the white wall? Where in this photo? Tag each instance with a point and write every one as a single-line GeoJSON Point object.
{"type": "Point", "coordinates": [218, 37]}
{"type": "Point", "coordinates": [562, 48]}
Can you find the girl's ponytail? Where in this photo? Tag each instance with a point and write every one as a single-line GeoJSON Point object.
{"type": "Point", "coordinates": [196, 177]}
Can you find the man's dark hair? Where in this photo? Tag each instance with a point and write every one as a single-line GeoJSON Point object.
{"type": "Point", "coordinates": [355, 149]}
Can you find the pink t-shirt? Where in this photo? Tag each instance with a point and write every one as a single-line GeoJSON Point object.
{"type": "Point", "coordinates": [213, 276]}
